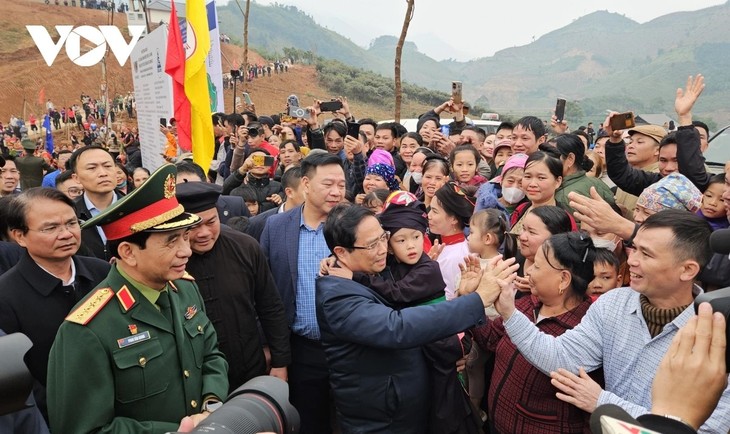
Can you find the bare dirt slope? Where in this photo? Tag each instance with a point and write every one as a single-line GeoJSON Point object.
{"type": "Point", "coordinates": [23, 72]}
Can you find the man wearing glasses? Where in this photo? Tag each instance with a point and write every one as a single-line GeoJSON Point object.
{"type": "Point", "coordinates": [68, 185]}
{"type": "Point", "coordinates": [378, 372]}
{"type": "Point", "coordinates": [40, 290]}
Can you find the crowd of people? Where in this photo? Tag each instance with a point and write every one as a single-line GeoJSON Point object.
{"type": "Point", "coordinates": [443, 280]}
{"type": "Point", "coordinates": [256, 70]}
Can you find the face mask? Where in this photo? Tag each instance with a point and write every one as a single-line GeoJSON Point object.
{"type": "Point", "coordinates": [512, 194]}
{"type": "Point", "coordinates": [417, 177]}
{"type": "Point", "coordinates": [122, 184]}
{"type": "Point", "coordinates": [609, 245]}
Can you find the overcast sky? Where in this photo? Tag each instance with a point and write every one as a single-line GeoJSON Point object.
{"type": "Point", "coordinates": [467, 29]}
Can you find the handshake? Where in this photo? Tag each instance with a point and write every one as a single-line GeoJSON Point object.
{"type": "Point", "coordinates": [494, 284]}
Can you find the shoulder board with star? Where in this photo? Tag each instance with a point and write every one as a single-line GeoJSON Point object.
{"type": "Point", "coordinates": [87, 310]}
{"type": "Point", "coordinates": [187, 276]}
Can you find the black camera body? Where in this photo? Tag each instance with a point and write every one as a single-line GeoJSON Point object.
{"type": "Point", "coordinates": [260, 405]}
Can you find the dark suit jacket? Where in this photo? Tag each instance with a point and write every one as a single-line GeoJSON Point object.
{"type": "Point", "coordinates": [35, 303]}
{"type": "Point", "coordinates": [280, 243]}
{"type": "Point", "coordinates": [91, 243]}
{"type": "Point", "coordinates": [10, 254]}
{"type": "Point", "coordinates": [378, 371]}
{"type": "Point", "coordinates": [231, 206]}
{"type": "Point", "coordinates": [257, 223]}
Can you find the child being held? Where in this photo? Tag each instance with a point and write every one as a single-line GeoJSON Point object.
{"type": "Point", "coordinates": [606, 274]}
{"type": "Point", "coordinates": [412, 278]}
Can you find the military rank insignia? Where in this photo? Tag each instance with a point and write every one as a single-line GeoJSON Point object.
{"type": "Point", "coordinates": [91, 306]}
{"type": "Point", "coordinates": [126, 299]}
{"type": "Point", "coordinates": [191, 311]}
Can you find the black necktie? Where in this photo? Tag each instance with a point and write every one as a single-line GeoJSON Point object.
{"type": "Point", "coordinates": [164, 302]}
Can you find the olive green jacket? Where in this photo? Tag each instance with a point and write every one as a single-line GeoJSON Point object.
{"type": "Point", "coordinates": [580, 183]}
{"type": "Point", "coordinates": [100, 380]}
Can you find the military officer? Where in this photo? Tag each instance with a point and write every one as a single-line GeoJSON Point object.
{"type": "Point", "coordinates": [138, 354]}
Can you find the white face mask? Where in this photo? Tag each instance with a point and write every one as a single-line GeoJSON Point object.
{"type": "Point", "coordinates": [609, 245]}
{"type": "Point", "coordinates": [512, 194]}
{"type": "Point", "coordinates": [417, 177]}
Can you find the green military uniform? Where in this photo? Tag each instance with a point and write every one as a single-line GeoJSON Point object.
{"type": "Point", "coordinates": [148, 385]}
{"type": "Point", "coordinates": [124, 361]}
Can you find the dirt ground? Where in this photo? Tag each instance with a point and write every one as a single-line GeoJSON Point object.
{"type": "Point", "coordinates": [25, 77]}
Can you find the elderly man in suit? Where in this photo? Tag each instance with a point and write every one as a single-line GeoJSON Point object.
{"type": "Point", "coordinates": [294, 243]}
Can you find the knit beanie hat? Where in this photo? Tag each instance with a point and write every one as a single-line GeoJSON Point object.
{"type": "Point", "coordinates": [425, 118]}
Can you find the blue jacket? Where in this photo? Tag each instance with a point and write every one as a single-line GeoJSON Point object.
{"type": "Point", "coordinates": [377, 368]}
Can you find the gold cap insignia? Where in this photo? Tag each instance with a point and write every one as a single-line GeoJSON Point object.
{"type": "Point", "coordinates": [169, 187]}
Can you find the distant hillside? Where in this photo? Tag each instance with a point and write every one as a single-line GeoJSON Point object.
{"type": "Point", "coordinates": [602, 60]}
{"type": "Point", "coordinates": [273, 28]}
{"type": "Point", "coordinates": [24, 74]}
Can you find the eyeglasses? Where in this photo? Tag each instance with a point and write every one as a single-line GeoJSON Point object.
{"type": "Point", "coordinates": [381, 239]}
{"type": "Point", "coordinates": [57, 229]}
{"type": "Point", "coordinates": [75, 190]}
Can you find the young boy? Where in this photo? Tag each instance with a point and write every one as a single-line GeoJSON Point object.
{"type": "Point", "coordinates": [605, 272]}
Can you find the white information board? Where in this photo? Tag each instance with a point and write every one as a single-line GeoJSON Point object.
{"type": "Point", "coordinates": [213, 62]}
{"type": "Point", "coordinates": [153, 94]}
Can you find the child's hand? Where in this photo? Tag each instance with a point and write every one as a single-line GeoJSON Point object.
{"type": "Point", "coordinates": [436, 250]}
{"type": "Point", "coordinates": [471, 274]}
{"type": "Point", "coordinates": [325, 265]}
{"type": "Point", "coordinates": [341, 271]}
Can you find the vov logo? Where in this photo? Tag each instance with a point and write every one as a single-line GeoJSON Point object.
{"type": "Point", "coordinates": [71, 37]}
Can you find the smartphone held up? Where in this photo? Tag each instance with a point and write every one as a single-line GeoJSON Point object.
{"type": "Point", "coordinates": [262, 160]}
{"type": "Point", "coordinates": [330, 106]}
{"type": "Point", "coordinates": [560, 110]}
{"type": "Point", "coordinates": [456, 92]}
{"type": "Point", "coordinates": [622, 121]}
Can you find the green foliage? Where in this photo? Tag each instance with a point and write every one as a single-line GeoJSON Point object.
{"type": "Point", "coordinates": [369, 87]}
{"type": "Point", "coordinates": [633, 67]}
{"type": "Point", "coordinates": [573, 110]}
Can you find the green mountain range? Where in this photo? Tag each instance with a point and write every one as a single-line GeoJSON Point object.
{"type": "Point", "coordinates": [600, 61]}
